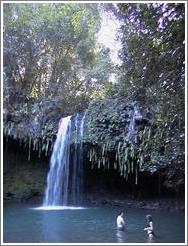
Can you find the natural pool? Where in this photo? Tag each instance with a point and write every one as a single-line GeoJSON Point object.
{"type": "Point", "coordinates": [24, 224]}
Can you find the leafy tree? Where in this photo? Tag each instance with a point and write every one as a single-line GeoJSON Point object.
{"type": "Point", "coordinates": [53, 66]}
{"type": "Point", "coordinates": [50, 52]}
{"type": "Point", "coordinates": [153, 74]}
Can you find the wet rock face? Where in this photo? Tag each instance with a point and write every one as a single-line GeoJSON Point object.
{"type": "Point", "coordinates": [29, 197]}
{"type": "Point", "coordinates": [118, 134]}
{"type": "Point", "coordinates": [114, 120]}
{"type": "Point", "coordinates": [113, 133]}
{"type": "Point", "coordinates": [23, 180]}
{"type": "Point", "coordinates": [33, 124]}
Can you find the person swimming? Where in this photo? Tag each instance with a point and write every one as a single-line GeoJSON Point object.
{"type": "Point", "coordinates": [120, 221]}
{"type": "Point", "coordinates": [149, 227]}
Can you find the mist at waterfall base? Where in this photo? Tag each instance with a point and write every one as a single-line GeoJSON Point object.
{"type": "Point", "coordinates": [65, 177]}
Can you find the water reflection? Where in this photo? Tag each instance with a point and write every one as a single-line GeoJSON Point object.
{"type": "Point", "coordinates": [121, 236]}
{"type": "Point", "coordinates": [150, 239]}
{"type": "Point", "coordinates": [50, 228]}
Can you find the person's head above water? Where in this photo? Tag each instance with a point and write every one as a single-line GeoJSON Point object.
{"type": "Point", "coordinates": [149, 218]}
{"type": "Point", "coordinates": [121, 214]}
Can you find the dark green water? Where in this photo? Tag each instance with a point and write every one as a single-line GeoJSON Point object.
{"type": "Point", "coordinates": [92, 225]}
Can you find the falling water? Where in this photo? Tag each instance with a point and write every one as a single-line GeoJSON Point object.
{"type": "Point", "coordinates": [65, 177]}
{"type": "Point", "coordinates": [57, 180]}
{"type": "Point", "coordinates": [77, 161]}
{"type": "Point", "coordinates": [132, 132]}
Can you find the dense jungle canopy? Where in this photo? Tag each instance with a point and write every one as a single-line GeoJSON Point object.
{"type": "Point", "coordinates": [54, 66]}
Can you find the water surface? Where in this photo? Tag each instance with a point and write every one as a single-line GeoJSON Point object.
{"type": "Point", "coordinates": [24, 224]}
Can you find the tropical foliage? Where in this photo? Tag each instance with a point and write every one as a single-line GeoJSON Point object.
{"type": "Point", "coordinates": [50, 52]}
{"type": "Point", "coordinates": [153, 74]}
{"type": "Point", "coordinates": [53, 66]}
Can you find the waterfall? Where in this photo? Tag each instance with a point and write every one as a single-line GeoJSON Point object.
{"type": "Point", "coordinates": [65, 177]}
{"type": "Point", "coordinates": [132, 132]}
{"type": "Point", "coordinates": [77, 160]}
{"type": "Point", "coordinates": [59, 166]}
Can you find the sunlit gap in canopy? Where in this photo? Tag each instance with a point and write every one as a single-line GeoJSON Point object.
{"type": "Point", "coordinates": [107, 35]}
